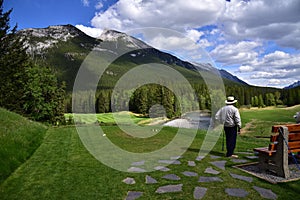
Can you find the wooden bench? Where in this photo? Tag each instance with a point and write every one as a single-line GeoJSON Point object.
{"type": "Point", "coordinates": [275, 157]}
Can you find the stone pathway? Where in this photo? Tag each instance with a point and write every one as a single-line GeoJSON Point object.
{"type": "Point", "coordinates": [187, 173]}
{"type": "Point", "coordinates": [172, 177]}
{"type": "Point", "coordinates": [198, 192]}
{"type": "Point", "coordinates": [210, 170]}
{"type": "Point", "coordinates": [191, 163]}
{"type": "Point", "coordinates": [169, 188]}
{"type": "Point", "coordinates": [131, 195]}
{"type": "Point", "coordinates": [265, 193]}
{"type": "Point", "coordinates": [136, 169]}
{"type": "Point", "coordinates": [244, 178]}
{"type": "Point", "coordinates": [236, 192]}
{"type": "Point", "coordinates": [129, 181]}
{"type": "Point", "coordinates": [150, 180]}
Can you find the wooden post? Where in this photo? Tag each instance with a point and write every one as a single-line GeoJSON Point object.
{"type": "Point", "coordinates": [282, 153]}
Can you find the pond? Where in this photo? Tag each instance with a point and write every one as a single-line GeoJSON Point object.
{"type": "Point", "coordinates": [194, 120]}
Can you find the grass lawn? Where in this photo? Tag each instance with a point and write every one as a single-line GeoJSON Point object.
{"type": "Point", "coordinates": [108, 118]}
{"type": "Point", "coordinates": [19, 138]}
{"type": "Point", "coordinates": [61, 168]}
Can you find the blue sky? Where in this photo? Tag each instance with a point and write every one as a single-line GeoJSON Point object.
{"type": "Point", "coordinates": [256, 40]}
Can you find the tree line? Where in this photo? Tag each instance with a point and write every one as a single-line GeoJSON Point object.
{"type": "Point", "coordinates": [35, 92]}
{"type": "Point", "coordinates": [146, 97]}
{"type": "Point", "coordinates": [25, 87]}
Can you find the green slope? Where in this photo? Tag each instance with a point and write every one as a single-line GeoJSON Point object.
{"type": "Point", "coordinates": [19, 138]}
{"type": "Point", "coordinates": [66, 56]}
{"type": "Point", "coordinates": [62, 168]}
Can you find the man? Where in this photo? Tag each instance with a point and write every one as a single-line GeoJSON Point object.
{"type": "Point", "coordinates": [230, 117]}
{"type": "Point", "coordinates": [297, 117]}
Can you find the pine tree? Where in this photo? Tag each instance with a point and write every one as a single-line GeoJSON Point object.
{"type": "Point", "coordinates": [277, 97]}
{"type": "Point", "coordinates": [43, 99]}
{"type": "Point", "coordinates": [261, 103]}
{"type": "Point", "coordinates": [13, 62]}
{"type": "Point", "coordinates": [26, 88]}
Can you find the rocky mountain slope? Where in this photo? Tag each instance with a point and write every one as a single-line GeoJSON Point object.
{"type": "Point", "coordinates": [64, 48]}
{"type": "Point", "coordinates": [294, 85]}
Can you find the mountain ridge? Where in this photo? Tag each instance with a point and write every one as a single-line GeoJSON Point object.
{"type": "Point", "coordinates": [65, 47]}
{"type": "Point", "coordinates": [293, 85]}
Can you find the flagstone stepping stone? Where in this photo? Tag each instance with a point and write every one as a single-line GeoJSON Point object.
{"type": "Point", "coordinates": [131, 195]}
{"type": "Point", "coordinates": [169, 188]}
{"type": "Point", "coordinates": [239, 160]}
{"type": "Point", "coordinates": [236, 192]}
{"type": "Point", "coordinates": [150, 180]}
{"type": "Point", "coordinates": [175, 157]}
{"type": "Point", "coordinates": [210, 170]}
{"type": "Point", "coordinates": [219, 164]}
{"type": "Point", "coordinates": [265, 193]}
{"type": "Point", "coordinates": [129, 181]}
{"type": "Point", "coordinates": [191, 163]}
{"type": "Point", "coordinates": [162, 168]}
{"type": "Point", "coordinates": [140, 163]}
{"type": "Point", "coordinates": [240, 177]}
{"type": "Point", "coordinates": [204, 179]}
{"type": "Point", "coordinates": [136, 169]}
{"type": "Point", "coordinates": [172, 177]}
{"type": "Point", "coordinates": [199, 192]}
{"type": "Point", "coordinates": [174, 162]}
{"type": "Point", "coordinates": [199, 158]}
{"type": "Point", "coordinates": [189, 174]}
{"type": "Point", "coordinates": [214, 157]}
{"type": "Point", "coordinates": [252, 157]}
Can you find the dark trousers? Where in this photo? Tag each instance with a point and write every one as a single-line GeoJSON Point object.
{"type": "Point", "coordinates": [231, 133]}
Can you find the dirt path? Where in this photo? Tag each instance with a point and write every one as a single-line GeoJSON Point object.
{"type": "Point", "coordinates": [246, 128]}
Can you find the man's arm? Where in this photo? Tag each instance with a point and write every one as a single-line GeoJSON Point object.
{"type": "Point", "coordinates": [238, 121]}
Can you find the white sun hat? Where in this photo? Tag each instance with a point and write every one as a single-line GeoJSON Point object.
{"type": "Point", "coordinates": [230, 100]}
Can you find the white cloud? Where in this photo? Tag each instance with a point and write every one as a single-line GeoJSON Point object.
{"type": "Point", "coordinates": [256, 19]}
{"type": "Point", "coordinates": [93, 32]}
{"type": "Point", "coordinates": [242, 28]}
{"type": "Point", "coordinates": [176, 14]}
{"type": "Point", "coordinates": [99, 5]}
{"type": "Point", "coordinates": [204, 43]}
{"type": "Point", "coordinates": [172, 43]}
{"type": "Point", "coordinates": [245, 68]}
{"type": "Point", "coordinates": [175, 42]}
{"type": "Point", "coordinates": [194, 34]}
{"type": "Point", "coordinates": [280, 82]}
{"type": "Point", "coordinates": [278, 60]}
{"type": "Point", "coordinates": [239, 53]}
{"type": "Point", "coordinates": [274, 69]}
{"type": "Point", "coordinates": [273, 74]}
{"type": "Point", "coordinates": [275, 82]}
{"type": "Point", "coordinates": [86, 3]}
{"type": "Point", "coordinates": [275, 20]}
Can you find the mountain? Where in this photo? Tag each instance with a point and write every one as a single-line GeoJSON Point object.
{"type": "Point", "coordinates": [227, 75]}
{"type": "Point", "coordinates": [64, 48]}
{"type": "Point", "coordinates": [294, 85]}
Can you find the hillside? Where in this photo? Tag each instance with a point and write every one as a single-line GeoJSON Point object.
{"type": "Point", "coordinates": [19, 138]}
{"type": "Point", "coordinates": [294, 85]}
{"type": "Point", "coordinates": [65, 47]}
{"type": "Point", "coordinates": [62, 168]}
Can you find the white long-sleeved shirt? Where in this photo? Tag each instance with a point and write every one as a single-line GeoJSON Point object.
{"type": "Point", "coordinates": [230, 116]}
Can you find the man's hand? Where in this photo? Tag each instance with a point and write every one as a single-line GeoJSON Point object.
{"type": "Point", "coordinates": [239, 130]}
